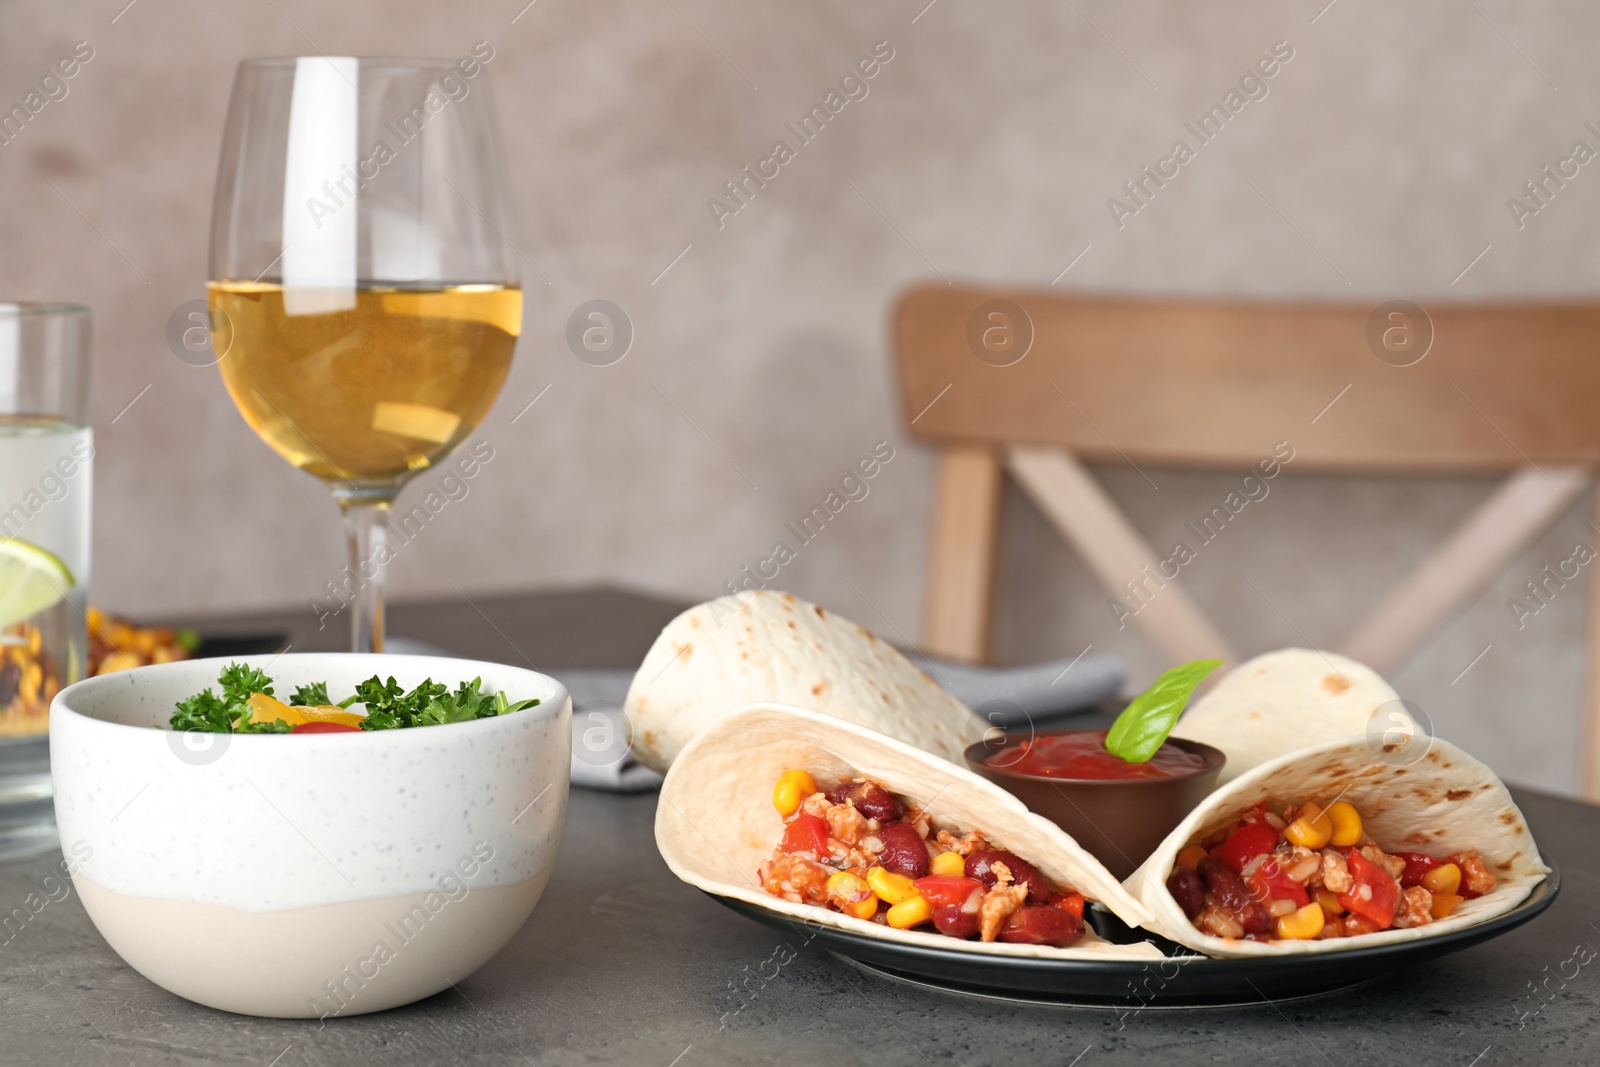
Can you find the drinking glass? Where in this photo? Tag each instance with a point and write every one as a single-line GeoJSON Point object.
{"type": "Point", "coordinates": [364, 291]}
{"type": "Point", "coordinates": [46, 449]}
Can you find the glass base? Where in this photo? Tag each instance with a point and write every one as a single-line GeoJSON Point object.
{"type": "Point", "coordinates": [27, 808]}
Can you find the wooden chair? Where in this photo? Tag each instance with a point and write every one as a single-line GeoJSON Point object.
{"type": "Point", "coordinates": [1032, 383]}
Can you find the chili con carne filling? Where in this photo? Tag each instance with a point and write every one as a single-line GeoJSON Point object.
{"type": "Point", "coordinates": [1298, 872]}
{"type": "Point", "coordinates": [856, 848]}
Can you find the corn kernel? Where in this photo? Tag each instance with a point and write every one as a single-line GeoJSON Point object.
{"type": "Point", "coordinates": [1346, 824]}
{"type": "Point", "coordinates": [1444, 904]}
{"type": "Point", "coordinates": [852, 895]}
{"type": "Point", "coordinates": [891, 888]}
{"type": "Point", "coordinates": [1329, 902]}
{"type": "Point", "coordinates": [1301, 925]}
{"type": "Point", "coordinates": [793, 787]}
{"type": "Point", "coordinates": [1445, 878]}
{"type": "Point", "coordinates": [909, 912]}
{"type": "Point", "coordinates": [949, 865]}
{"type": "Point", "coordinates": [1191, 856]}
{"type": "Point", "coordinates": [1312, 829]}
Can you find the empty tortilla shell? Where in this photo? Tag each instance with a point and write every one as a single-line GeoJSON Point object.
{"type": "Point", "coordinates": [716, 826]}
{"type": "Point", "coordinates": [767, 646]}
{"type": "Point", "coordinates": [1294, 698]}
{"type": "Point", "coordinates": [1420, 795]}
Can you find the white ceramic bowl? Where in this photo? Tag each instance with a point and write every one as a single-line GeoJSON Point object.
{"type": "Point", "coordinates": [308, 875]}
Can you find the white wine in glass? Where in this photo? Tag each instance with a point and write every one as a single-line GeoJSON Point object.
{"type": "Point", "coordinates": [364, 295]}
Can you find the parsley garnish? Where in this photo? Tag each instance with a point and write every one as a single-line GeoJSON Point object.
{"type": "Point", "coordinates": [229, 713]}
{"type": "Point", "coordinates": [430, 704]}
{"type": "Point", "coordinates": [388, 705]}
{"type": "Point", "coordinates": [309, 696]}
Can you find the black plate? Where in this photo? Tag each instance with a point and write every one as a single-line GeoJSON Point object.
{"type": "Point", "coordinates": [1181, 979]}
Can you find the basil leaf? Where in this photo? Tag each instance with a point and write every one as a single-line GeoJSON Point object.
{"type": "Point", "coordinates": [1145, 723]}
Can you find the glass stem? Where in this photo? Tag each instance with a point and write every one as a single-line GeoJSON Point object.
{"type": "Point", "coordinates": [366, 525]}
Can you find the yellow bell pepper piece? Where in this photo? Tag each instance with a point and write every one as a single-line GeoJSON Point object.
{"type": "Point", "coordinates": [264, 708]}
{"type": "Point", "coordinates": [329, 713]}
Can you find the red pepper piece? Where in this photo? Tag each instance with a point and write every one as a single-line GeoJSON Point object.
{"type": "Point", "coordinates": [1270, 883]}
{"type": "Point", "coordinates": [1071, 903]}
{"type": "Point", "coordinates": [807, 833]}
{"type": "Point", "coordinates": [1378, 905]}
{"type": "Point", "coordinates": [1417, 865]}
{"type": "Point", "coordinates": [1245, 844]}
{"type": "Point", "coordinates": [948, 889]}
{"type": "Point", "coordinates": [324, 728]}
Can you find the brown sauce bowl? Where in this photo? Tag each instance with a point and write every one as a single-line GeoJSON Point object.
{"type": "Point", "coordinates": [1119, 821]}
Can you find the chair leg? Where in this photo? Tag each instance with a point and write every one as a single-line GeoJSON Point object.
{"type": "Point", "coordinates": [961, 558]}
{"type": "Point", "coordinates": [1082, 511]}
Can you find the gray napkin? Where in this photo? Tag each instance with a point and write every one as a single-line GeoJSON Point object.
{"type": "Point", "coordinates": [1006, 696]}
{"type": "Point", "coordinates": [601, 756]}
{"type": "Point", "coordinates": [601, 733]}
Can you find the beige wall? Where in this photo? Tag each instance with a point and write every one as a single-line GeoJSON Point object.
{"type": "Point", "coordinates": [986, 149]}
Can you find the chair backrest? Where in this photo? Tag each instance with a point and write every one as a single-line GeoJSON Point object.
{"type": "Point", "coordinates": [1211, 384]}
{"type": "Point", "coordinates": [1030, 382]}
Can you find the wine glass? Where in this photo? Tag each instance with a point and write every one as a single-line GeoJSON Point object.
{"type": "Point", "coordinates": [364, 290]}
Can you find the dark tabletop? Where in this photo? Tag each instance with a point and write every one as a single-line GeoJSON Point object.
{"type": "Point", "coordinates": [622, 963]}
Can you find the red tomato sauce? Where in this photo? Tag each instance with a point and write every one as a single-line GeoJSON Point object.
{"type": "Point", "coordinates": [1083, 755]}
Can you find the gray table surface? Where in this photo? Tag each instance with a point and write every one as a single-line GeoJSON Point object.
{"type": "Point", "coordinates": [622, 963]}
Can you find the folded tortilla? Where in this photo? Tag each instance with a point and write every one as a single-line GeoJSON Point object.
{"type": "Point", "coordinates": [1274, 704]}
{"type": "Point", "coordinates": [768, 646]}
{"type": "Point", "coordinates": [716, 826]}
{"type": "Point", "coordinates": [1415, 795]}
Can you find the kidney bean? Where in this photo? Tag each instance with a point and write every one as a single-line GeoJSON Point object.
{"type": "Point", "coordinates": [1232, 895]}
{"type": "Point", "coordinates": [875, 802]}
{"type": "Point", "coordinates": [1042, 926]}
{"type": "Point", "coordinates": [1188, 889]}
{"type": "Point", "coordinates": [903, 850]}
{"type": "Point", "coordinates": [1258, 920]}
{"type": "Point", "coordinates": [837, 794]}
{"type": "Point", "coordinates": [1228, 886]}
{"type": "Point", "coordinates": [980, 866]}
{"type": "Point", "coordinates": [949, 919]}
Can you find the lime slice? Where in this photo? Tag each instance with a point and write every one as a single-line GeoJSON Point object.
{"type": "Point", "coordinates": [31, 579]}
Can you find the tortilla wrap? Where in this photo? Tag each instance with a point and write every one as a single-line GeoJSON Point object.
{"type": "Point", "coordinates": [767, 646]}
{"type": "Point", "coordinates": [1274, 704]}
{"type": "Point", "coordinates": [716, 826]}
{"type": "Point", "coordinates": [1417, 795]}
